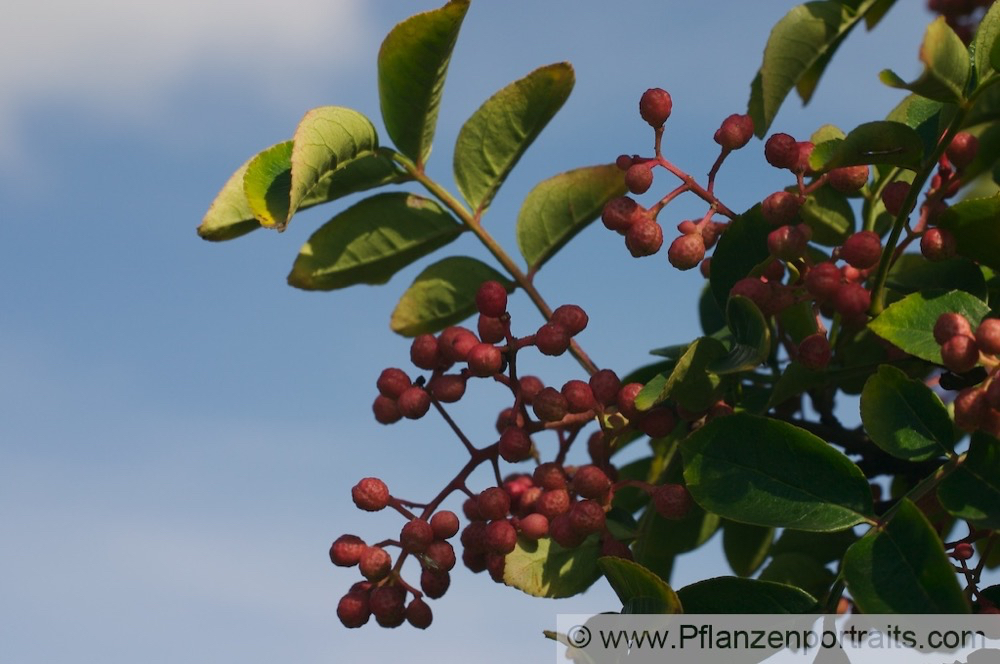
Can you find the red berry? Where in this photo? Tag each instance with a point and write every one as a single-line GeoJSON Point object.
{"type": "Point", "coordinates": [485, 360]}
{"type": "Point", "coordinates": [388, 605]}
{"type": "Point", "coordinates": [552, 503]}
{"type": "Point", "coordinates": [473, 537]}
{"type": "Point", "coordinates": [391, 382]}
{"type": "Point", "coordinates": [672, 501]}
{"type": "Point", "coordinates": [456, 342]}
{"type": "Point", "coordinates": [491, 299]}
{"type": "Point", "coordinates": [572, 318]}
{"type": "Point", "coordinates": [639, 178]}
{"type": "Point", "coordinates": [508, 418]}
{"type": "Point", "coordinates": [416, 535]}
{"type": "Point", "coordinates": [626, 400]}
{"type": "Point", "coordinates": [353, 609]}
{"type": "Point", "coordinates": [501, 537]}
{"type": "Point", "coordinates": [374, 563]}
{"type": "Point", "coordinates": [494, 503]}
{"type": "Point", "coordinates": [971, 406]}
{"type": "Point", "coordinates": [686, 251]}
{"type": "Point", "coordinates": [735, 132]}
{"type": "Point", "coordinates": [530, 387]}
{"type": "Point", "coordinates": [938, 244]}
{"type": "Point", "coordinates": [587, 517]}
{"type": "Point", "coordinates": [515, 445]}
{"type": "Point", "coordinates": [550, 476]}
{"type": "Point", "coordinates": [612, 547]}
{"type": "Point", "coordinates": [782, 151]}
{"type": "Point", "coordinates": [960, 354]}
{"type": "Point", "coordinates": [788, 242]}
{"type": "Point", "coordinates": [444, 524]}
{"type": "Point", "coordinates": [534, 526]}
{"type": "Point", "coordinates": [823, 280]}
{"type": "Point", "coordinates": [605, 385]}
{"type": "Point", "coordinates": [805, 149]}
{"type": "Point", "coordinates": [862, 249]}
{"type": "Point", "coordinates": [491, 330]}
{"type": "Point", "coordinates": [370, 494]}
{"type": "Point", "coordinates": [620, 213]}
{"type": "Point", "coordinates": [814, 351]}
{"type": "Point", "coordinates": [386, 411]}
{"type": "Point", "coordinates": [550, 405]}
{"type": "Point", "coordinates": [434, 583]}
{"type": "Point", "coordinates": [894, 195]}
{"type": "Point", "coordinates": [848, 179]}
{"type": "Point", "coordinates": [475, 561]}
{"type": "Point", "coordinates": [988, 336]}
{"type": "Point", "coordinates": [579, 396]}
{"type": "Point", "coordinates": [419, 614]}
{"type": "Point", "coordinates": [852, 300]}
{"type": "Point", "coordinates": [753, 289]}
{"type": "Point", "coordinates": [644, 238]}
{"type": "Point", "coordinates": [414, 403]}
{"type": "Point", "coordinates": [346, 550]}
{"type": "Point", "coordinates": [657, 422]}
{"type": "Point", "coordinates": [591, 482]}
{"type": "Point", "coordinates": [655, 106]}
{"type": "Point", "coordinates": [495, 564]}
{"type": "Point", "coordinates": [962, 149]}
{"type": "Point", "coordinates": [949, 325]}
{"type": "Point", "coordinates": [424, 352]}
{"type": "Point", "coordinates": [563, 534]}
{"type": "Point", "coordinates": [623, 162]}
{"type": "Point", "coordinates": [447, 388]}
{"type": "Point", "coordinates": [963, 551]}
{"type": "Point", "coordinates": [552, 339]}
{"type": "Point", "coordinates": [781, 208]}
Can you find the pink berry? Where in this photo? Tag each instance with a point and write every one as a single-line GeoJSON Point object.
{"type": "Point", "coordinates": [485, 360]}
{"type": "Point", "coordinates": [949, 325]}
{"type": "Point", "coordinates": [587, 517]}
{"type": "Point", "coordinates": [823, 280]}
{"type": "Point", "coordinates": [894, 195]}
{"type": "Point", "coordinates": [386, 411]}
{"type": "Point", "coordinates": [534, 526]}
{"type": "Point", "coordinates": [623, 162]}
{"type": "Point", "coordinates": [644, 238]}
{"type": "Point", "coordinates": [621, 213]}
{"type": "Point", "coordinates": [353, 609]}
{"type": "Point", "coordinates": [552, 339]}
{"type": "Point", "coordinates": [562, 532]}
{"type": "Point", "coordinates": [960, 354]}
{"type": "Point", "coordinates": [753, 289]}
{"type": "Point", "coordinates": [814, 351]}
{"type": "Point", "coordinates": [391, 382]}
{"type": "Point", "coordinates": [374, 563]}
{"type": "Point", "coordinates": [530, 387]}
{"type": "Point", "coordinates": [414, 402]}
{"type": "Point", "coordinates": [416, 535]}
{"type": "Point", "coordinates": [424, 352]}
{"type": "Point", "coordinates": [938, 244]}
{"type": "Point", "coordinates": [655, 106]}
{"type": "Point", "coordinates": [549, 476]}
{"type": "Point", "coordinates": [988, 336]}
{"type": "Point", "coordinates": [444, 524]}
{"type": "Point", "coordinates": [346, 550]}
{"type": "Point", "coordinates": [686, 251]}
{"type": "Point", "coordinates": [805, 149]}
{"type": "Point", "coordinates": [447, 388]}
{"type": "Point", "coordinates": [788, 242]}
{"type": "Point", "coordinates": [591, 482]}
{"type": "Point", "coordinates": [672, 501]}
{"type": "Point", "coordinates": [626, 400]}
{"type": "Point", "coordinates": [370, 494]}
{"type": "Point", "coordinates": [552, 503]}
{"type": "Point", "coordinates": [852, 300]}
{"type": "Point", "coordinates": [571, 317]}
{"type": "Point", "coordinates": [579, 396]}
{"type": "Point", "coordinates": [501, 537]}
{"type": "Point", "coordinates": [493, 503]}
{"type": "Point", "coordinates": [848, 179]}
{"type": "Point", "coordinates": [781, 208]}
{"type": "Point", "coordinates": [962, 149]}
{"type": "Point", "coordinates": [639, 178]}
{"type": "Point", "coordinates": [456, 342]}
{"type": "Point", "coordinates": [550, 405]}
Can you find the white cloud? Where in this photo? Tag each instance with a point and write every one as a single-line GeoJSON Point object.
{"type": "Point", "coordinates": [123, 58]}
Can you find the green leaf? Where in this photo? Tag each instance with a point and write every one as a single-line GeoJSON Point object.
{"type": "Point", "coordinates": [902, 568]}
{"type": "Point", "coordinates": [823, 547]}
{"type": "Point", "coordinates": [443, 294]}
{"type": "Point", "coordinates": [492, 141]}
{"type": "Point", "coordinates": [710, 314]}
{"type": "Point", "coordinates": [741, 248]}
{"type": "Point", "coordinates": [946, 66]}
{"type": "Point", "coordinates": [909, 323]}
{"type": "Point", "coordinates": [632, 581]}
{"type": "Point", "coordinates": [230, 215]}
{"type": "Point", "coordinates": [730, 594]}
{"type": "Point", "coordinates": [798, 321]}
{"type": "Point", "coordinates": [770, 473]}
{"type": "Point", "coordinates": [544, 569]}
{"type": "Point", "coordinates": [925, 116]}
{"type": "Point", "coordinates": [690, 383]}
{"type": "Point", "coordinates": [904, 417]}
{"type": "Point", "coordinates": [984, 42]}
{"type": "Point", "coordinates": [972, 491]}
{"type": "Point", "coordinates": [800, 46]}
{"type": "Point", "coordinates": [977, 233]}
{"type": "Point", "coordinates": [795, 381]}
{"type": "Point", "coordinates": [371, 241]}
{"type": "Point", "coordinates": [660, 540]}
{"type": "Point", "coordinates": [266, 183]}
{"type": "Point", "coordinates": [562, 206]}
{"type": "Point", "coordinates": [745, 545]}
{"type": "Point", "coordinates": [881, 142]}
{"type": "Point", "coordinates": [412, 66]}
{"type": "Point", "coordinates": [912, 272]}
{"type": "Point", "coordinates": [326, 140]}
{"type": "Point", "coordinates": [830, 216]}
{"type": "Point", "coordinates": [801, 571]}
{"type": "Point", "coordinates": [751, 338]}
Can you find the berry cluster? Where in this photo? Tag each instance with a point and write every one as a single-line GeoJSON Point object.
{"type": "Point", "coordinates": [563, 502]}
{"type": "Point", "coordinates": [977, 407]}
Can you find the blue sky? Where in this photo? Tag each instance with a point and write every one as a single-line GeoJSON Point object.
{"type": "Point", "coordinates": [179, 428]}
